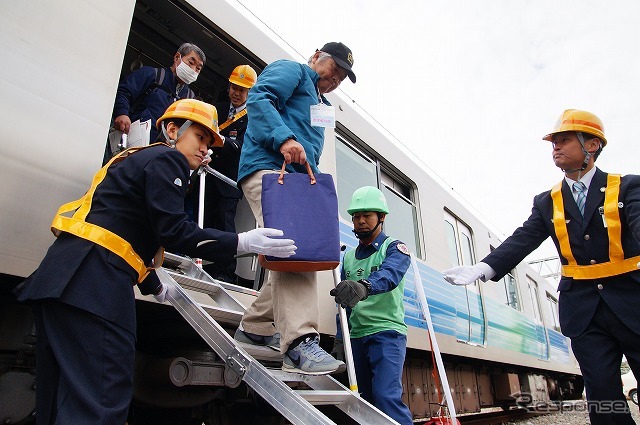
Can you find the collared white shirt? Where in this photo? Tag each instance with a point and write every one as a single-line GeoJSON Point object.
{"type": "Point", "coordinates": [586, 179]}
{"type": "Point", "coordinates": [238, 109]}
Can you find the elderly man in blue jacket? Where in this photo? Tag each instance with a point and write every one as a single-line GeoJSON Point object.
{"type": "Point", "coordinates": [285, 107]}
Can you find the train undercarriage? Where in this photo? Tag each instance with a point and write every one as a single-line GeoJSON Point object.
{"type": "Point", "coordinates": [179, 380]}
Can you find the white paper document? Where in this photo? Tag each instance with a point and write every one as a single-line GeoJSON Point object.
{"type": "Point", "coordinates": [139, 135]}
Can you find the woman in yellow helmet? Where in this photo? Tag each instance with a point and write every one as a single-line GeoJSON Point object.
{"type": "Point", "coordinates": [82, 293]}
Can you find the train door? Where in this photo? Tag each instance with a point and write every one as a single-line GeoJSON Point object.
{"type": "Point", "coordinates": [158, 28]}
{"type": "Point", "coordinates": [470, 318]}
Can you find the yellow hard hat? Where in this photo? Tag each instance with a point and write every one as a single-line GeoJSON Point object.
{"type": "Point", "coordinates": [577, 120]}
{"type": "Point", "coordinates": [243, 76]}
{"type": "Point", "coordinates": [197, 111]}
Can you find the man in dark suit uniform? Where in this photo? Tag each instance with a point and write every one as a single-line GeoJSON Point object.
{"type": "Point", "coordinates": [82, 293]}
{"type": "Point", "coordinates": [596, 229]}
{"type": "Point", "coordinates": [221, 199]}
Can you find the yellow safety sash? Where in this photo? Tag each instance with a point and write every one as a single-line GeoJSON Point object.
{"type": "Point", "coordinates": [617, 264]}
{"type": "Point", "coordinates": [77, 226]}
{"type": "Point", "coordinates": [236, 117]}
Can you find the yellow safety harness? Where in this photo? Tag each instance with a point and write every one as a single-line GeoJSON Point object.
{"type": "Point", "coordinates": [617, 264]}
{"type": "Point", "coordinates": [236, 117]}
{"type": "Point", "coordinates": [76, 224]}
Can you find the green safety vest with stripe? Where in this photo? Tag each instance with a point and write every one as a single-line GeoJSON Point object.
{"type": "Point", "coordinates": [380, 312]}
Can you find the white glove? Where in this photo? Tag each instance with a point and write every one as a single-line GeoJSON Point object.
{"type": "Point", "coordinates": [162, 295]}
{"type": "Point", "coordinates": [260, 242]}
{"type": "Point", "coordinates": [462, 275]}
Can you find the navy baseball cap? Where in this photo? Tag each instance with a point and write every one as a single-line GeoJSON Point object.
{"type": "Point", "coordinates": [343, 57]}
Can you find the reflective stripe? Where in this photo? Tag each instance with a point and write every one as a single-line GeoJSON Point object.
{"type": "Point", "coordinates": [598, 271]}
{"type": "Point", "coordinates": [560, 224]}
{"type": "Point", "coordinates": [583, 122]}
{"type": "Point", "coordinates": [77, 226]}
{"type": "Point", "coordinates": [236, 117]}
{"type": "Point", "coordinates": [612, 217]}
{"type": "Point", "coordinates": [617, 264]}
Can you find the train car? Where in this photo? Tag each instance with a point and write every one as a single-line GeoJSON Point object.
{"type": "Point", "coordinates": [64, 61]}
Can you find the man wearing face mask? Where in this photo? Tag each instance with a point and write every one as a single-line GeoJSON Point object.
{"type": "Point", "coordinates": [147, 92]}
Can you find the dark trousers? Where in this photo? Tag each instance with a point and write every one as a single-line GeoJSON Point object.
{"type": "Point", "coordinates": [84, 367]}
{"type": "Point", "coordinates": [599, 352]}
{"type": "Point", "coordinates": [379, 359]}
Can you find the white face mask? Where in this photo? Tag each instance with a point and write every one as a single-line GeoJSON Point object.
{"type": "Point", "coordinates": [185, 73]}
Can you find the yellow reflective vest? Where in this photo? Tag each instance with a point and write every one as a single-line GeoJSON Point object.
{"type": "Point", "coordinates": [77, 226]}
{"type": "Point", "coordinates": [617, 264]}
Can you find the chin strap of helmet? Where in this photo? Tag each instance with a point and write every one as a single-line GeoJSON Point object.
{"type": "Point", "coordinates": [587, 155]}
{"type": "Point", "coordinates": [368, 233]}
{"type": "Point", "coordinates": [181, 130]}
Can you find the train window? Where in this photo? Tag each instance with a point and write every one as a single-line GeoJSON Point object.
{"type": "Point", "coordinates": [552, 306]}
{"type": "Point", "coordinates": [400, 188]}
{"type": "Point", "coordinates": [460, 241]}
{"type": "Point", "coordinates": [511, 290]}
{"type": "Point", "coordinates": [355, 169]}
{"type": "Point", "coordinates": [402, 211]}
{"type": "Point", "coordinates": [533, 292]}
{"type": "Point", "coordinates": [466, 248]}
{"type": "Point", "coordinates": [504, 291]}
{"type": "Point", "coordinates": [451, 242]}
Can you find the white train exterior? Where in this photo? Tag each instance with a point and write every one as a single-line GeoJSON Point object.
{"type": "Point", "coordinates": [64, 61]}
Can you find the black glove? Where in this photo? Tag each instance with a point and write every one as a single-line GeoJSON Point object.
{"type": "Point", "coordinates": [338, 350]}
{"type": "Point", "coordinates": [349, 292]}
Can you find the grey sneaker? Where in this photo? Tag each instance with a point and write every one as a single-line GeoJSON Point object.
{"type": "Point", "coordinates": [310, 359]}
{"type": "Point", "coordinates": [260, 347]}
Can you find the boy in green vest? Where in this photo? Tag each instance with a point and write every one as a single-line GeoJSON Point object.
{"type": "Point", "coordinates": [373, 287]}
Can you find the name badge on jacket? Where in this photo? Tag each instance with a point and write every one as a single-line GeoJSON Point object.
{"type": "Point", "coordinates": [323, 116]}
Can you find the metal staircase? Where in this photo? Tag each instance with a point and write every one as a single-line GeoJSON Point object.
{"type": "Point", "coordinates": [293, 395]}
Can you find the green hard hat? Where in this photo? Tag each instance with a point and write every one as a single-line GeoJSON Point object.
{"type": "Point", "coordinates": [368, 198]}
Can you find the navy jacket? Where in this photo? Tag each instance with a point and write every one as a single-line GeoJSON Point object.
{"type": "Point", "coordinates": [589, 241]}
{"type": "Point", "coordinates": [133, 100]}
{"type": "Point", "coordinates": [142, 200]}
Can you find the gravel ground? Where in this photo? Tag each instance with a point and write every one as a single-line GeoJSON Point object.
{"type": "Point", "coordinates": [570, 418]}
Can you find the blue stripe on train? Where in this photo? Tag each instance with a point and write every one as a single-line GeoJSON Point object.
{"type": "Point", "coordinates": [508, 328]}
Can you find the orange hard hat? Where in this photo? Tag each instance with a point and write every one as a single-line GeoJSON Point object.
{"type": "Point", "coordinates": [243, 76]}
{"type": "Point", "coordinates": [196, 111]}
{"type": "Point", "coordinates": [577, 120]}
